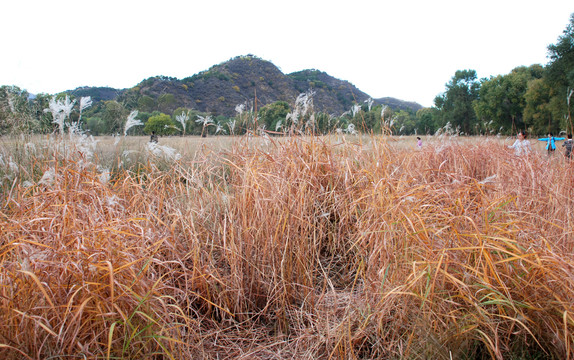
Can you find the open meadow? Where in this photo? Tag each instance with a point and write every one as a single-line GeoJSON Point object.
{"type": "Point", "coordinates": [337, 247]}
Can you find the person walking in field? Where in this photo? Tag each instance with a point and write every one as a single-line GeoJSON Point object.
{"type": "Point", "coordinates": [419, 143]}
{"type": "Point", "coordinates": [568, 145]}
{"type": "Point", "coordinates": [521, 146]}
{"type": "Point", "coordinates": [153, 137]}
{"type": "Point", "coordinates": [551, 142]}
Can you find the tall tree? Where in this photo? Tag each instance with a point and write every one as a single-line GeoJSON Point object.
{"type": "Point", "coordinates": [501, 100]}
{"type": "Point", "coordinates": [15, 115]}
{"type": "Point", "coordinates": [425, 121]}
{"type": "Point", "coordinates": [455, 104]}
{"type": "Point", "coordinates": [560, 76]}
{"type": "Point", "coordinates": [538, 109]}
{"type": "Point", "coordinates": [273, 115]}
{"type": "Point", "coordinates": [161, 124]}
{"type": "Point", "coordinates": [113, 116]}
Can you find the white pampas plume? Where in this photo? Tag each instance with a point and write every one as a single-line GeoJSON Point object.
{"type": "Point", "coordinates": [351, 129]}
{"type": "Point", "coordinates": [171, 127]}
{"type": "Point", "coordinates": [231, 126]}
{"type": "Point", "coordinates": [219, 128]}
{"type": "Point", "coordinates": [265, 137]}
{"type": "Point", "coordinates": [127, 153]}
{"type": "Point", "coordinates": [182, 119]}
{"type": "Point", "coordinates": [48, 177]}
{"type": "Point", "coordinates": [239, 108]}
{"type": "Point", "coordinates": [85, 102]}
{"type": "Point", "coordinates": [383, 111]}
{"type": "Point", "coordinates": [369, 102]}
{"type": "Point", "coordinates": [278, 126]}
{"type": "Point", "coordinates": [305, 101]}
{"type": "Point", "coordinates": [85, 144]}
{"type": "Point", "coordinates": [104, 177]}
{"type": "Point", "coordinates": [30, 148]}
{"type": "Point", "coordinates": [112, 201]}
{"type": "Point", "coordinates": [131, 122]}
{"type": "Point", "coordinates": [489, 179]}
{"type": "Point", "coordinates": [204, 120]}
{"type": "Point", "coordinates": [293, 116]}
{"type": "Point", "coordinates": [60, 111]}
{"type": "Point", "coordinates": [311, 121]}
{"type": "Point", "coordinates": [67, 106]}
{"type": "Point", "coordinates": [159, 150]}
{"type": "Point", "coordinates": [13, 166]}
{"type": "Point", "coordinates": [74, 129]}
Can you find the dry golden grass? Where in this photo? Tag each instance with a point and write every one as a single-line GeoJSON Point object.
{"type": "Point", "coordinates": [304, 248]}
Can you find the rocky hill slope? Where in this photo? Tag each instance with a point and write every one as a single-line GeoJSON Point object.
{"type": "Point", "coordinates": [240, 80]}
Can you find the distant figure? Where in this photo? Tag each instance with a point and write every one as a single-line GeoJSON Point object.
{"type": "Point", "coordinates": [521, 146]}
{"type": "Point", "coordinates": [419, 143]}
{"type": "Point", "coordinates": [550, 142]}
{"type": "Point", "coordinates": [153, 137]}
{"type": "Point", "coordinates": [568, 145]}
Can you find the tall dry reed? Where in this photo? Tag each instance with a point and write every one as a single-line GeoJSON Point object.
{"type": "Point", "coordinates": [315, 248]}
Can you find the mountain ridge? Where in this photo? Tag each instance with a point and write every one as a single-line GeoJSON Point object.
{"type": "Point", "coordinates": [240, 80]}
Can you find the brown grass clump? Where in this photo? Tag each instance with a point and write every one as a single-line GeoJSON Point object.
{"type": "Point", "coordinates": [307, 248]}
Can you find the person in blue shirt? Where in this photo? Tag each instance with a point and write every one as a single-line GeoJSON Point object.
{"type": "Point", "coordinates": [550, 142]}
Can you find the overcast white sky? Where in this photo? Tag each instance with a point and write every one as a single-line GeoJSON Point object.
{"type": "Point", "coordinates": [407, 49]}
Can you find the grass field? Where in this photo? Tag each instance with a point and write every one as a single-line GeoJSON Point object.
{"type": "Point", "coordinates": [338, 247]}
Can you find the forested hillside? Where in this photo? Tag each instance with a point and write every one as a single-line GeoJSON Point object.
{"type": "Point", "coordinates": [241, 80]}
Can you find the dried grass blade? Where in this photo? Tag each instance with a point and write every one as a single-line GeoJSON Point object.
{"type": "Point", "coordinates": [39, 283]}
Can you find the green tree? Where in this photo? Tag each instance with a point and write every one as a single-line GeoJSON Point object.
{"type": "Point", "coordinates": [538, 109]}
{"type": "Point", "coordinates": [273, 115]}
{"type": "Point", "coordinates": [405, 122]}
{"type": "Point", "coordinates": [425, 123]}
{"type": "Point", "coordinates": [560, 76]}
{"type": "Point", "coordinates": [146, 103]}
{"type": "Point", "coordinates": [114, 115]}
{"type": "Point", "coordinates": [96, 126]}
{"type": "Point", "coordinates": [501, 100]}
{"type": "Point", "coordinates": [369, 119]}
{"type": "Point", "coordinates": [455, 104]}
{"type": "Point", "coordinates": [44, 119]}
{"type": "Point", "coordinates": [15, 115]}
{"type": "Point", "coordinates": [160, 124]}
{"type": "Point", "coordinates": [326, 123]}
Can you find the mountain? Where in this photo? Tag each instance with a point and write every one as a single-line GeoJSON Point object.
{"type": "Point", "coordinates": [397, 104]}
{"type": "Point", "coordinates": [97, 93]}
{"type": "Point", "coordinates": [240, 80]}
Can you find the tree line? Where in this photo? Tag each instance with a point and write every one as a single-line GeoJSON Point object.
{"type": "Point", "coordinates": [535, 98]}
